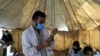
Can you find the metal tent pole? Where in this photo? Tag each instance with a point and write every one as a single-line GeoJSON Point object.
{"type": "Point", "coordinates": [51, 13]}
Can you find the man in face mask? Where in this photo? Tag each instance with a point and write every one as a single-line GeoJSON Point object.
{"type": "Point", "coordinates": [36, 39]}
{"type": "Point", "coordinates": [75, 50]}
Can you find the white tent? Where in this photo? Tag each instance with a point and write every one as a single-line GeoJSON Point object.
{"type": "Point", "coordinates": [81, 18]}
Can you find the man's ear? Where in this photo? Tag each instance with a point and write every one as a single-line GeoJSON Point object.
{"type": "Point", "coordinates": [33, 23]}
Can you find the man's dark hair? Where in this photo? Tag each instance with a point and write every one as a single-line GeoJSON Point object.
{"type": "Point", "coordinates": [38, 14]}
{"type": "Point", "coordinates": [87, 48]}
{"type": "Point", "coordinates": [76, 43]}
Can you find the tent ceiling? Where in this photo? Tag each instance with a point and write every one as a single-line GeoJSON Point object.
{"type": "Point", "coordinates": [16, 13]}
{"type": "Point", "coordinates": [74, 14]}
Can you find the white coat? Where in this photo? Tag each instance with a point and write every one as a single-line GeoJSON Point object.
{"type": "Point", "coordinates": [30, 41]}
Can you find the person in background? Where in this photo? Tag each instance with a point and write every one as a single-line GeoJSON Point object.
{"type": "Point", "coordinates": [88, 51]}
{"type": "Point", "coordinates": [35, 39]}
{"type": "Point", "coordinates": [7, 38]}
{"type": "Point", "coordinates": [75, 50]}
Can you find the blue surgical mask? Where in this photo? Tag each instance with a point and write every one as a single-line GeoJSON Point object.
{"type": "Point", "coordinates": [40, 26]}
{"type": "Point", "coordinates": [74, 47]}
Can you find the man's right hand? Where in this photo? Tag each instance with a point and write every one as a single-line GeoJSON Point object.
{"type": "Point", "coordinates": [46, 43]}
{"type": "Point", "coordinates": [54, 31]}
{"type": "Point", "coordinates": [43, 45]}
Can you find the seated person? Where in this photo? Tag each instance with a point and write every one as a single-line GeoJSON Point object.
{"type": "Point", "coordinates": [6, 41]}
{"type": "Point", "coordinates": [87, 51]}
{"type": "Point", "coordinates": [7, 38]}
{"type": "Point", "coordinates": [75, 50]}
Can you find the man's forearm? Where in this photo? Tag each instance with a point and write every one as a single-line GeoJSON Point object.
{"type": "Point", "coordinates": [40, 47]}
{"type": "Point", "coordinates": [50, 39]}
{"type": "Point", "coordinates": [44, 44]}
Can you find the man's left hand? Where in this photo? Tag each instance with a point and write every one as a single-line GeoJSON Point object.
{"type": "Point", "coordinates": [54, 31]}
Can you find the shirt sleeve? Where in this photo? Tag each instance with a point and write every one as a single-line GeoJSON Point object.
{"type": "Point", "coordinates": [28, 50]}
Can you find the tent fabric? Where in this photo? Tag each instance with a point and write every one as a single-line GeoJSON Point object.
{"type": "Point", "coordinates": [17, 34]}
{"type": "Point", "coordinates": [64, 40]}
{"type": "Point", "coordinates": [83, 13]}
{"type": "Point", "coordinates": [16, 13]}
{"type": "Point", "coordinates": [71, 14]}
{"type": "Point", "coordinates": [80, 17]}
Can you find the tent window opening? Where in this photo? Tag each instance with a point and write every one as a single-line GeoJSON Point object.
{"type": "Point", "coordinates": [1, 34]}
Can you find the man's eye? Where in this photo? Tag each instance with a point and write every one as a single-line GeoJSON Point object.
{"type": "Point", "coordinates": [41, 22]}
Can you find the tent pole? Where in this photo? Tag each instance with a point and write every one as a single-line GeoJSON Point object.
{"type": "Point", "coordinates": [51, 13]}
{"type": "Point", "coordinates": [64, 40]}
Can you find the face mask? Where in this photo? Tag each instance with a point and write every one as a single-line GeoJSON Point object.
{"type": "Point", "coordinates": [6, 33]}
{"type": "Point", "coordinates": [75, 47]}
{"type": "Point", "coordinates": [40, 26]}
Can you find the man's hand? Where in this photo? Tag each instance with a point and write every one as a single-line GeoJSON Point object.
{"type": "Point", "coordinates": [46, 43]}
{"type": "Point", "coordinates": [54, 31]}
{"type": "Point", "coordinates": [43, 45]}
